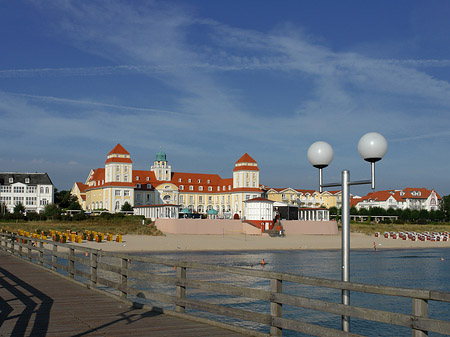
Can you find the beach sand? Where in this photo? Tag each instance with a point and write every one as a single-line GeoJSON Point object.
{"type": "Point", "coordinates": [180, 242]}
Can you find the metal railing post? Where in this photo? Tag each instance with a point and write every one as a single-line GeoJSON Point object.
{"type": "Point", "coordinates": [275, 308]}
{"type": "Point", "coordinates": [181, 289]}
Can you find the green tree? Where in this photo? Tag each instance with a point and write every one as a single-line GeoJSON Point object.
{"type": "Point", "coordinates": [354, 210]}
{"type": "Point", "coordinates": [19, 208]}
{"type": "Point", "coordinates": [390, 211]}
{"type": "Point", "coordinates": [126, 207]}
{"type": "Point", "coordinates": [445, 206]}
{"type": "Point", "coordinates": [74, 205]}
{"type": "Point", "coordinates": [52, 211]}
{"type": "Point", "coordinates": [405, 215]}
{"type": "Point", "coordinates": [414, 215]}
{"type": "Point", "coordinates": [423, 215]}
{"type": "Point", "coordinates": [377, 211]}
{"type": "Point", "coordinates": [364, 211]}
{"type": "Point", "coordinates": [64, 198]}
{"type": "Point", "coordinates": [333, 210]}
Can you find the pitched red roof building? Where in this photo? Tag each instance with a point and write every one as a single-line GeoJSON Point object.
{"type": "Point", "coordinates": [118, 182]}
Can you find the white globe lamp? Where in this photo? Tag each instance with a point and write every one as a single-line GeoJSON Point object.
{"type": "Point", "coordinates": [372, 147]}
{"type": "Point", "coordinates": [320, 154]}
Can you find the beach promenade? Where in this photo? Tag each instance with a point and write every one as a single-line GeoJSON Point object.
{"type": "Point", "coordinates": [36, 302]}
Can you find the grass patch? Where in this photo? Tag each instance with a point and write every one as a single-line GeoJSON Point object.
{"type": "Point", "coordinates": [123, 226]}
{"type": "Point", "coordinates": [357, 227]}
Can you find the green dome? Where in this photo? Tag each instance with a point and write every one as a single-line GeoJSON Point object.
{"type": "Point", "coordinates": [160, 156]}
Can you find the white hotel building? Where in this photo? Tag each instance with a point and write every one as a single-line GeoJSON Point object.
{"type": "Point", "coordinates": [33, 190]}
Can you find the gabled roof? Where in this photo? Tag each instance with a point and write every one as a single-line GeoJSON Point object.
{"type": "Point", "coordinates": [17, 177]}
{"type": "Point", "coordinates": [418, 193]}
{"type": "Point", "coordinates": [246, 159]}
{"type": "Point", "coordinates": [118, 149]}
{"type": "Point", "coordinates": [82, 187]}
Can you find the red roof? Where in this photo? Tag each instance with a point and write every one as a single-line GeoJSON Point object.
{"type": "Point", "coordinates": [118, 149]}
{"type": "Point", "coordinates": [82, 187]}
{"type": "Point", "coordinates": [118, 160]}
{"type": "Point", "coordinates": [246, 168]}
{"type": "Point", "coordinates": [259, 199]}
{"type": "Point", "coordinates": [398, 195]}
{"type": "Point", "coordinates": [246, 159]}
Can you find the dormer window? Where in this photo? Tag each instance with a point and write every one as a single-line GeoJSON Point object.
{"type": "Point", "coordinates": [189, 180]}
{"type": "Point", "coordinates": [137, 177]}
{"type": "Point", "coordinates": [198, 180]}
{"type": "Point", "coordinates": [149, 186]}
{"type": "Point", "coordinates": [27, 180]}
{"type": "Point", "coordinates": [200, 188]}
{"type": "Point", "coordinates": [181, 187]}
{"type": "Point", "coordinates": [209, 181]}
{"type": "Point", "coordinates": [138, 185]}
{"type": "Point", "coordinates": [11, 180]}
{"type": "Point", "coordinates": [191, 188]}
{"type": "Point", "coordinates": [209, 188]}
{"type": "Point", "coordinates": [179, 180]}
{"type": "Point", "coordinates": [148, 179]}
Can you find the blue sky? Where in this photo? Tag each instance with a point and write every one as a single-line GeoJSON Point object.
{"type": "Point", "coordinates": [207, 81]}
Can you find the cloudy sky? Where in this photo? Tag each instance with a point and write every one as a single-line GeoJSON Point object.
{"type": "Point", "coordinates": [207, 81]}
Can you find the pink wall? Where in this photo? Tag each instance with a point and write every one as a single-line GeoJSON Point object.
{"type": "Point", "coordinates": [228, 227]}
{"type": "Point", "coordinates": [205, 226]}
{"type": "Point", "coordinates": [310, 227]}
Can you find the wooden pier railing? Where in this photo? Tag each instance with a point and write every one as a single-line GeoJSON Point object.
{"type": "Point", "coordinates": [171, 289]}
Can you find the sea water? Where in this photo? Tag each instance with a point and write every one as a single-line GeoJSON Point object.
{"type": "Point", "coordinates": [408, 268]}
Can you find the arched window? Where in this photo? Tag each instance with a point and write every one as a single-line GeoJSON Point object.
{"type": "Point", "coordinates": [117, 208]}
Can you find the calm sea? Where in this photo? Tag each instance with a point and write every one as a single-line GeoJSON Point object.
{"type": "Point", "coordinates": [420, 268]}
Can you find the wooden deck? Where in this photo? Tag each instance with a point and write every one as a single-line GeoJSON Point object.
{"type": "Point", "coordinates": [36, 302]}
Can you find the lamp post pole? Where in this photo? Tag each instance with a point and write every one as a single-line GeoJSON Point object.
{"type": "Point", "coordinates": [372, 147]}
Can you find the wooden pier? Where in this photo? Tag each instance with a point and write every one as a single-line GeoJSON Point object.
{"type": "Point", "coordinates": [36, 302]}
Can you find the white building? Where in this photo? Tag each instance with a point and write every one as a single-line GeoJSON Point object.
{"type": "Point", "coordinates": [33, 190]}
{"type": "Point", "coordinates": [259, 212]}
{"type": "Point", "coordinates": [412, 198]}
{"type": "Point", "coordinates": [119, 182]}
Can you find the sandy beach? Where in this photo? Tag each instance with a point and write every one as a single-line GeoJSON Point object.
{"type": "Point", "coordinates": [180, 242]}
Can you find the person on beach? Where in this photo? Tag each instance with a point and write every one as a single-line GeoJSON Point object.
{"type": "Point", "coordinates": [374, 247]}
{"type": "Point", "coordinates": [263, 262]}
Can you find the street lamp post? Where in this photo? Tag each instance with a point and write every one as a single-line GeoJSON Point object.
{"type": "Point", "coordinates": [372, 147]}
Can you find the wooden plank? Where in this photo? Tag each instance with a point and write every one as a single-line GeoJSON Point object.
{"type": "Point", "coordinates": [42, 303]}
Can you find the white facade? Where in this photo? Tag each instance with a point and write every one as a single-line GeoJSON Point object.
{"type": "Point", "coordinates": [259, 209]}
{"type": "Point", "coordinates": [33, 190]}
{"type": "Point", "coordinates": [409, 198]}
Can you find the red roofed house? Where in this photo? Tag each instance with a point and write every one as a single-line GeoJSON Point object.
{"type": "Point", "coordinates": [110, 187]}
{"type": "Point", "coordinates": [412, 198]}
